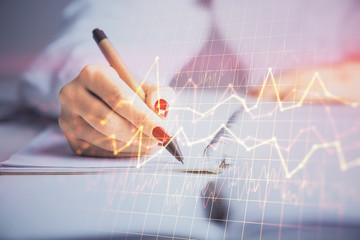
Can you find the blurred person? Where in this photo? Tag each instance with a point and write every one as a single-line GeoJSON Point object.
{"type": "Point", "coordinates": [295, 39]}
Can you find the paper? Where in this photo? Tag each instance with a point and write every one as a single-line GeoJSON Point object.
{"type": "Point", "coordinates": [51, 150]}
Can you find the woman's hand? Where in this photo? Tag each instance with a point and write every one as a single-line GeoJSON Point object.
{"type": "Point", "coordinates": [338, 83]}
{"type": "Point", "coordinates": [101, 116]}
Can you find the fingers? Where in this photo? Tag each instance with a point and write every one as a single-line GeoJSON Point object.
{"type": "Point", "coordinates": [277, 89]}
{"type": "Point", "coordinates": [82, 136]}
{"type": "Point", "coordinates": [331, 84]}
{"type": "Point", "coordinates": [300, 86]}
{"type": "Point", "coordinates": [104, 82]}
{"type": "Point", "coordinates": [295, 86]}
{"type": "Point", "coordinates": [99, 115]}
{"type": "Point", "coordinates": [159, 99]}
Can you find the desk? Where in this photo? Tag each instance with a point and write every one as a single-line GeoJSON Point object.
{"type": "Point", "coordinates": [162, 204]}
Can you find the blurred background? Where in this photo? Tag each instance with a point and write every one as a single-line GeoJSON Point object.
{"type": "Point", "coordinates": [27, 27]}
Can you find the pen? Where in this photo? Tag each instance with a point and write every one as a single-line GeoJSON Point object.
{"type": "Point", "coordinates": [116, 62]}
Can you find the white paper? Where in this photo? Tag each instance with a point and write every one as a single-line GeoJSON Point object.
{"type": "Point", "coordinates": [51, 150]}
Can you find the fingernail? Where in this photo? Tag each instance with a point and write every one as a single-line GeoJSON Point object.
{"type": "Point", "coordinates": [160, 134]}
{"type": "Point", "coordinates": [162, 107]}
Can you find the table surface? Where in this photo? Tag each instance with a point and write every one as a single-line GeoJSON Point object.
{"type": "Point", "coordinates": [130, 203]}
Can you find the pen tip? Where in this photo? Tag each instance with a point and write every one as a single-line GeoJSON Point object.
{"type": "Point", "coordinates": [174, 149]}
{"type": "Point", "coordinates": [179, 156]}
{"type": "Point", "coordinates": [180, 159]}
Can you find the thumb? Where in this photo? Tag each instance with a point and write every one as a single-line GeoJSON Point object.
{"type": "Point", "coordinates": [159, 98]}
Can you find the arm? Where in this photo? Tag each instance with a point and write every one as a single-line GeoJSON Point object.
{"type": "Point", "coordinates": [140, 30]}
{"type": "Point", "coordinates": [296, 40]}
{"type": "Point", "coordinates": [100, 115]}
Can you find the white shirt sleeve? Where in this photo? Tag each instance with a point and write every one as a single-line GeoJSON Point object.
{"type": "Point", "coordinates": [139, 30]}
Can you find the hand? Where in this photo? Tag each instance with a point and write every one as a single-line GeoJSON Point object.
{"type": "Point", "coordinates": [101, 116]}
{"type": "Point", "coordinates": [339, 83]}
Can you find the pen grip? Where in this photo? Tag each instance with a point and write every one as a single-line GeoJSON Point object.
{"type": "Point", "coordinates": [116, 62]}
